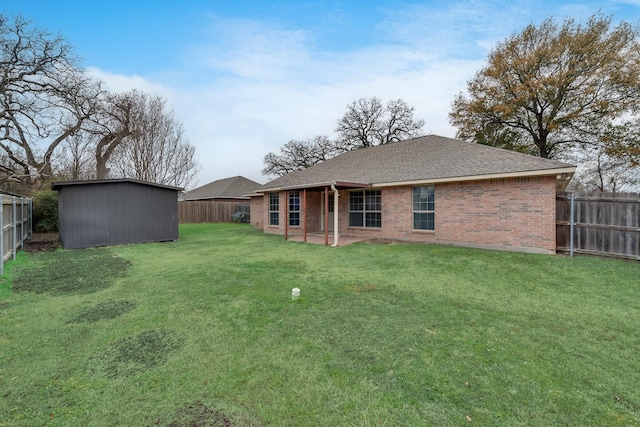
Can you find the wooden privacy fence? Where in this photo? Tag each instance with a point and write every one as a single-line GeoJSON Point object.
{"type": "Point", "coordinates": [604, 224]}
{"type": "Point", "coordinates": [197, 211]}
{"type": "Point", "coordinates": [16, 226]}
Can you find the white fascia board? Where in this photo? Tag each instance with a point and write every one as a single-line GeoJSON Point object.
{"type": "Point", "coordinates": [570, 170]}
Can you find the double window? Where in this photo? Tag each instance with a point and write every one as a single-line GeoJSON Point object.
{"type": "Point", "coordinates": [365, 208]}
{"type": "Point", "coordinates": [294, 208]}
{"type": "Point", "coordinates": [274, 207]}
{"type": "Point", "coordinates": [424, 203]}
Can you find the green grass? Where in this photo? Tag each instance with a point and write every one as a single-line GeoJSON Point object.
{"type": "Point", "coordinates": [203, 331]}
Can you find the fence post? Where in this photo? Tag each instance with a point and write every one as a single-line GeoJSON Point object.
{"type": "Point", "coordinates": [571, 222]}
{"type": "Point", "coordinates": [13, 220]}
{"type": "Point", "coordinates": [1, 235]}
{"type": "Point", "coordinates": [21, 222]}
{"type": "Point", "coordinates": [30, 216]}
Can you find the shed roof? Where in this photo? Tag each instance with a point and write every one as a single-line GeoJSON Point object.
{"type": "Point", "coordinates": [429, 158]}
{"type": "Point", "coordinates": [56, 185]}
{"type": "Point", "coordinates": [235, 187]}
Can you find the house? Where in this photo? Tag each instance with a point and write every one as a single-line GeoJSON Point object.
{"type": "Point", "coordinates": [224, 200]}
{"type": "Point", "coordinates": [232, 189]}
{"type": "Point", "coordinates": [115, 212]}
{"type": "Point", "coordinates": [429, 189]}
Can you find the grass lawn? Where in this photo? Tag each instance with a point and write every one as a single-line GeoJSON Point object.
{"type": "Point", "coordinates": [203, 332]}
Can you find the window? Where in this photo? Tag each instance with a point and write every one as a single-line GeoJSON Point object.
{"type": "Point", "coordinates": [365, 208]}
{"type": "Point", "coordinates": [424, 203]}
{"type": "Point", "coordinates": [294, 208]}
{"type": "Point", "coordinates": [274, 203]}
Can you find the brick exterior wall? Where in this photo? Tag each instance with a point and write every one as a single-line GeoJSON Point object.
{"type": "Point", "coordinates": [507, 214]}
{"type": "Point", "coordinates": [260, 220]}
{"type": "Point", "coordinates": [258, 214]}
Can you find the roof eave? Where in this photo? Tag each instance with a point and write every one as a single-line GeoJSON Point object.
{"type": "Point", "coordinates": [188, 199]}
{"type": "Point", "coordinates": [59, 184]}
{"type": "Point", "coordinates": [568, 171]}
{"type": "Point", "coordinates": [315, 185]}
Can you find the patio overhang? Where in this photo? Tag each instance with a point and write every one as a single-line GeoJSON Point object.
{"type": "Point", "coordinates": [316, 186]}
{"type": "Point", "coordinates": [326, 187]}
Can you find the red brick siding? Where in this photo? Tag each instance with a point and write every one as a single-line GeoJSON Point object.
{"type": "Point", "coordinates": [261, 219]}
{"type": "Point", "coordinates": [516, 213]}
{"type": "Point", "coordinates": [258, 212]}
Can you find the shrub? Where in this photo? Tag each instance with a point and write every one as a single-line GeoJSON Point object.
{"type": "Point", "coordinates": [45, 211]}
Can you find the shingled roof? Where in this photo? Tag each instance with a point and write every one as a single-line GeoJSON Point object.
{"type": "Point", "coordinates": [426, 159]}
{"type": "Point", "coordinates": [236, 187]}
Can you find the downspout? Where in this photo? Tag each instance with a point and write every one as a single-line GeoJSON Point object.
{"type": "Point", "coordinates": [326, 216]}
{"type": "Point", "coordinates": [286, 215]}
{"type": "Point", "coordinates": [304, 210]}
{"type": "Point", "coordinates": [336, 212]}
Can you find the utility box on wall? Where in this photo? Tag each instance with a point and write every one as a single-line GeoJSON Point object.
{"type": "Point", "coordinates": [115, 212]}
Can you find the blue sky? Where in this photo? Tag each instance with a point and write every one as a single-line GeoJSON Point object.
{"type": "Point", "coordinates": [245, 77]}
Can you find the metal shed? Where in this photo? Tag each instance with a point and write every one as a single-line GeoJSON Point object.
{"type": "Point", "coordinates": [115, 212]}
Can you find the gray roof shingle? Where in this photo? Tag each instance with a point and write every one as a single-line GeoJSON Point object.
{"type": "Point", "coordinates": [420, 159]}
{"type": "Point", "coordinates": [236, 187]}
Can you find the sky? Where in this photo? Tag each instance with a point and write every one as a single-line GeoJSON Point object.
{"type": "Point", "coordinates": [244, 77]}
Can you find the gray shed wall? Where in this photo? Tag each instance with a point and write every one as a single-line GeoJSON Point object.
{"type": "Point", "coordinates": [105, 214]}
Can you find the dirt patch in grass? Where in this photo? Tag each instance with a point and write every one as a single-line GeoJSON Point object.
{"type": "Point", "coordinates": [79, 271]}
{"type": "Point", "coordinates": [42, 242]}
{"type": "Point", "coordinates": [138, 353]}
{"type": "Point", "coordinates": [103, 311]}
{"type": "Point", "coordinates": [200, 415]}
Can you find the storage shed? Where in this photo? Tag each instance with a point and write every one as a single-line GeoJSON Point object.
{"type": "Point", "coordinates": [115, 212]}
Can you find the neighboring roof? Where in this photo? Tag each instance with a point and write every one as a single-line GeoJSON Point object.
{"type": "Point", "coordinates": [427, 159]}
{"type": "Point", "coordinates": [236, 187]}
{"type": "Point", "coordinates": [56, 185]}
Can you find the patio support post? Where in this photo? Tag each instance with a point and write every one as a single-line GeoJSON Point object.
{"type": "Point", "coordinates": [304, 210]}
{"type": "Point", "coordinates": [336, 214]}
{"type": "Point", "coordinates": [286, 215]}
{"type": "Point", "coordinates": [326, 216]}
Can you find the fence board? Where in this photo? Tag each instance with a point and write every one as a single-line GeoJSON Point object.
{"type": "Point", "coordinates": [605, 224]}
{"type": "Point", "coordinates": [198, 211]}
{"type": "Point", "coordinates": [15, 226]}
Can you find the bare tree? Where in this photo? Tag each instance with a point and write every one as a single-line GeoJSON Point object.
{"type": "Point", "coordinates": [114, 122]}
{"type": "Point", "coordinates": [368, 123]}
{"type": "Point", "coordinates": [296, 155]}
{"type": "Point", "coordinates": [154, 148]}
{"type": "Point", "coordinates": [44, 99]}
{"type": "Point", "coordinates": [601, 172]}
{"type": "Point", "coordinates": [76, 161]}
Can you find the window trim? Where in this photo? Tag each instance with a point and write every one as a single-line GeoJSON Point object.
{"type": "Point", "coordinates": [274, 201]}
{"type": "Point", "coordinates": [293, 213]}
{"type": "Point", "coordinates": [415, 211]}
{"type": "Point", "coordinates": [366, 214]}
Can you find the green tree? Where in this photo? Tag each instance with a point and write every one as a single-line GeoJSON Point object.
{"type": "Point", "coordinates": [554, 87]}
{"type": "Point", "coordinates": [45, 211]}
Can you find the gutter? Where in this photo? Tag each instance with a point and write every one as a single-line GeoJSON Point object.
{"type": "Point", "coordinates": [559, 171]}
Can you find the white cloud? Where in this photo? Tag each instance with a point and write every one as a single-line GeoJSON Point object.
{"type": "Point", "coordinates": [118, 83]}
{"type": "Point", "coordinates": [250, 87]}
{"type": "Point", "coordinates": [269, 86]}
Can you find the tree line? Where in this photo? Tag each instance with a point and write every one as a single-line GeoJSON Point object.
{"type": "Point", "coordinates": [57, 122]}
{"type": "Point", "coordinates": [559, 90]}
